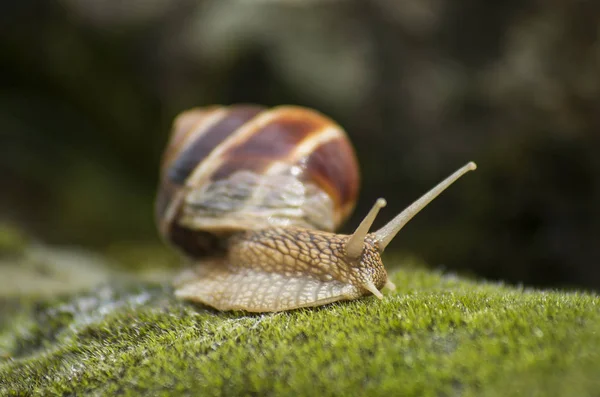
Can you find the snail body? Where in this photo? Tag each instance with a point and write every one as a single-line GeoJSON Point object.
{"type": "Point", "coordinates": [253, 196]}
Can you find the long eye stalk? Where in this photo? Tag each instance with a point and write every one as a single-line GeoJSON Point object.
{"type": "Point", "coordinates": [387, 233]}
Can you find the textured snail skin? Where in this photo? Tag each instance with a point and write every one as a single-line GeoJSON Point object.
{"type": "Point", "coordinates": [281, 269]}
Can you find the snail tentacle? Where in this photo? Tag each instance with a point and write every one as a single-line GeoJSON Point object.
{"type": "Point", "coordinates": [387, 233]}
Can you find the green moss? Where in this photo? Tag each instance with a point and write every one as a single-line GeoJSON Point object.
{"type": "Point", "coordinates": [438, 335]}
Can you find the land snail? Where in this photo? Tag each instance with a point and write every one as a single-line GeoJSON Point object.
{"type": "Point", "coordinates": [252, 197]}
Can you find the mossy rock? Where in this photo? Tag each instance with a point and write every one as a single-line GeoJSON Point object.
{"type": "Point", "coordinates": [437, 335]}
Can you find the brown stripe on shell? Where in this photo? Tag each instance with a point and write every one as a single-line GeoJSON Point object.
{"type": "Point", "coordinates": [273, 142]}
{"type": "Point", "coordinates": [334, 168]}
{"type": "Point", "coordinates": [185, 126]}
{"type": "Point", "coordinates": [198, 149]}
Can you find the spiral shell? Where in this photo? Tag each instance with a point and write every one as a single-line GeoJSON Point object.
{"type": "Point", "coordinates": [241, 167]}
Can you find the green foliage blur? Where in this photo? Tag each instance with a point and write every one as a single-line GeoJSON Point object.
{"type": "Point", "coordinates": [88, 91]}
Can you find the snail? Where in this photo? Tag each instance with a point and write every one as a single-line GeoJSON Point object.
{"type": "Point", "coordinates": [253, 195]}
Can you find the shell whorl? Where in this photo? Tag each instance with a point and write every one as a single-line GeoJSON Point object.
{"type": "Point", "coordinates": [248, 142]}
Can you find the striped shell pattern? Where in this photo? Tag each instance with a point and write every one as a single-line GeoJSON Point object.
{"type": "Point", "coordinates": [234, 168]}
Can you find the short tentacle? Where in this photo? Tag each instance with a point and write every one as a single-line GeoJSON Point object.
{"type": "Point", "coordinates": [355, 244]}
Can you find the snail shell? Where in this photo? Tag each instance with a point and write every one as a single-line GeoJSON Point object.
{"type": "Point", "coordinates": [242, 167]}
{"type": "Point", "coordinates": [253, 196]}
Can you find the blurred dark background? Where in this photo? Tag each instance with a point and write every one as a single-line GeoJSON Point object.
{"type": "Point", "coordinates": [88, 90]}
